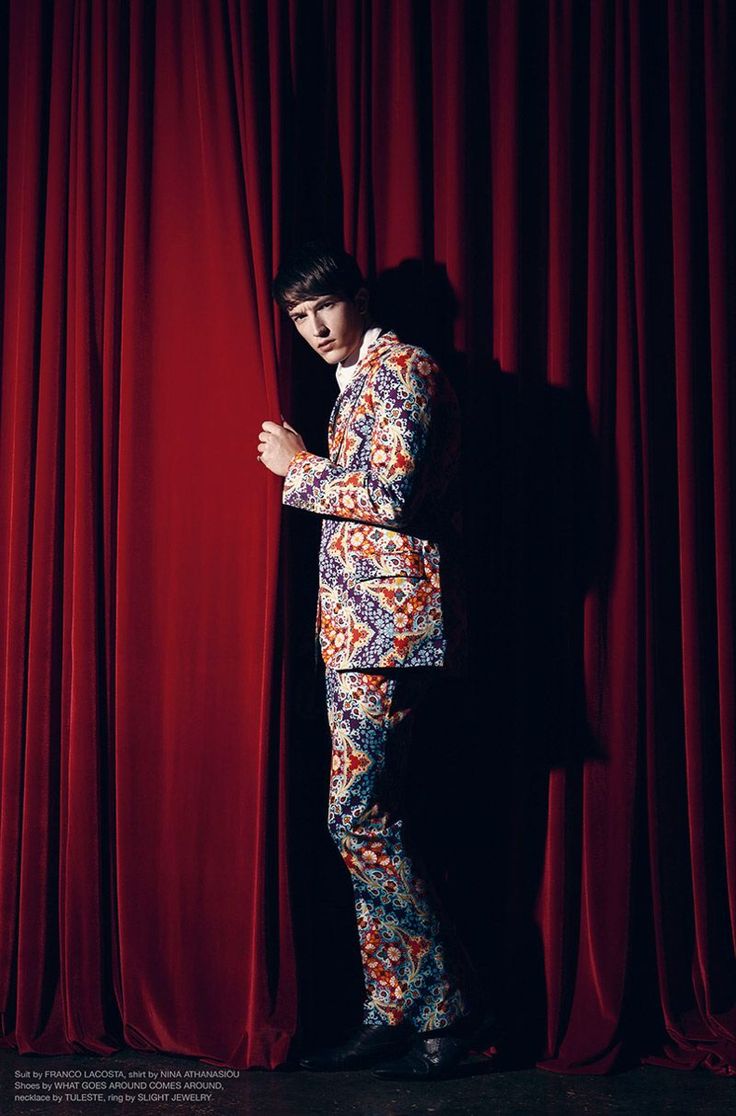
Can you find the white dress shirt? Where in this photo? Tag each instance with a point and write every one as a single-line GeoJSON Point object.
{"type": "Point", "coordinates": [345, 375]}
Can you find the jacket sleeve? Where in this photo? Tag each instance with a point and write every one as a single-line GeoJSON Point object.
{"type": "Point", "coordinates": [384, 493]}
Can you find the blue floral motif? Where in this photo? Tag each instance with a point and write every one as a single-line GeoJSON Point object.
{"type": "Point", "coordinates": [388, 596]}
{"type": "Point", "coordinates": [405, 965]}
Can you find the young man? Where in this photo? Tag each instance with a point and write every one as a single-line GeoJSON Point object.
{"type": "Point", "coordinates": [385, 625]}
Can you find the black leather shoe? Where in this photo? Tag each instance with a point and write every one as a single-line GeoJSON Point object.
{"type": "Point", "coordinates": [371, 1044]}
{"type": "Point", "coordinates": [430, 1056]}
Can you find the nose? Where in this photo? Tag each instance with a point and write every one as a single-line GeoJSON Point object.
{"type": "Point", "coordinates": [319, 327]}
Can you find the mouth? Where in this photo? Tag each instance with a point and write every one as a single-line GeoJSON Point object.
{"type": "Point", "coordinates": [325, 345]}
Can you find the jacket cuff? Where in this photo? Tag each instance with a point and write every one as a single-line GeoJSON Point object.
{"type": "Point", "coordinates": [300, 469]}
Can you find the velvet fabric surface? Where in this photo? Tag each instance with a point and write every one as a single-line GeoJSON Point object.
{"type": "Point", "coordinates": [543, 194]}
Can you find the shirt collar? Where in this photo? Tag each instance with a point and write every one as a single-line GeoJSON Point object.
{"type": "Point", "coordinates": [345, 375]}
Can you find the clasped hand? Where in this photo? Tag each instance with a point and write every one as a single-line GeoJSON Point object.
{"type": "Point", "coordinates": [277, 445]}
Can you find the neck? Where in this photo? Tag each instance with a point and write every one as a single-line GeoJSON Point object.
{"type": "Point", "coordinates": [352, 360]}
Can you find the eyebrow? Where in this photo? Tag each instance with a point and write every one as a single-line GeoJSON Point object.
{"type": "Point", "coordinates": [317, 301]}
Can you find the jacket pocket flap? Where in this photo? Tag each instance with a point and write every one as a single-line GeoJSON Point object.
{"type": "Point", "coordinates": [376, 552]}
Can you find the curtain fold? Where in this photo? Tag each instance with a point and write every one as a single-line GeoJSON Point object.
{"type": "Point", "coordinates": [540, 193]}
{"type": "Point", "coordinates": [145, 895]}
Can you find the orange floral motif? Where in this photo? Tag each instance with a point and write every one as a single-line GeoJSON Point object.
{"type": "Point", "coordinates": [404, 965]}
{"type": "Point", "coordinates": [388, 497]}
{"type": "Point", "coordinates": [389, 597]}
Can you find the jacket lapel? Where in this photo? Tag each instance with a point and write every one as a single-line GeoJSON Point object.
{"type": "Point", "coordinates": [348, 398]}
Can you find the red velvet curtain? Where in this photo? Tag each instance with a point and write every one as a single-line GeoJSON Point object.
{"type": "Point", "coordinates": [569, 166]}
{"type": "Point", "coordinates": [144, 893]}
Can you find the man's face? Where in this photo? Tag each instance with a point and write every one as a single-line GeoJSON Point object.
{"type": "Point", "coordinates": [332, 324]}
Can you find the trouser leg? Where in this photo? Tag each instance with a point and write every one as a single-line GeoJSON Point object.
{"type": "Point", "coordinates": [405, 965]}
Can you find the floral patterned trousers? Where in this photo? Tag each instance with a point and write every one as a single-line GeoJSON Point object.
{"type": "Point", "coordinates": [405, 963]}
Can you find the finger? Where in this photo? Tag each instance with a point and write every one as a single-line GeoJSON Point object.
{"type": "Point", "coordinates": [291, 428]}
{"type": "Point", "coordinates": [271, 427]}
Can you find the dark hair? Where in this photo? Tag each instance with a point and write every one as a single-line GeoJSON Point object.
{"type": "Point", "coordinates": [313, 269]}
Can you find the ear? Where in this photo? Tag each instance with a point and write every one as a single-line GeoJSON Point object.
{"type": "Point", "coordinates": [361, 301]}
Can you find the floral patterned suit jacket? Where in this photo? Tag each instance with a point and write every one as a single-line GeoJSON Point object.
{"type": "Point", "coordinates": [389, 593]}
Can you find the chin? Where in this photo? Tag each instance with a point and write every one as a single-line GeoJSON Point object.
{"type": "Point", "coordinates": [333, 357]}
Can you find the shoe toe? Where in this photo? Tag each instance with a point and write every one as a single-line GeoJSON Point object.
{"type": "Point", "coordinates": [370, 1045]}
{"type": "Point", "coordinates": [429, 1058]}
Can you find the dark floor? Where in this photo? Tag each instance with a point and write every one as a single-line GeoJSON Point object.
{"type": "Point", "coordinates": [478, 1092]}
